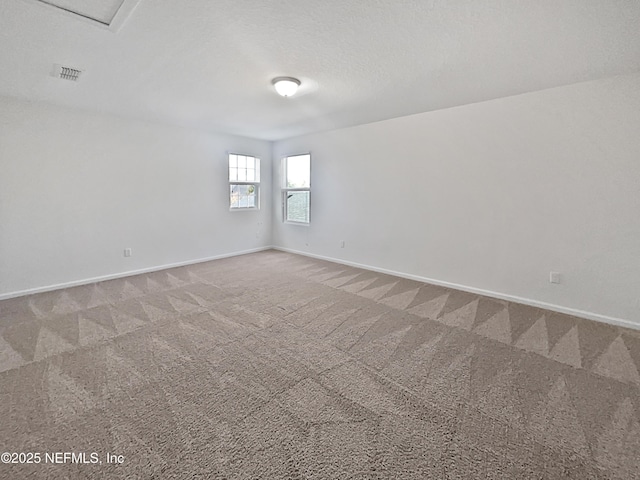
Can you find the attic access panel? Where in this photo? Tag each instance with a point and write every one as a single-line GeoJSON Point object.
{"type": "Point", "coordinates": [104, 12]}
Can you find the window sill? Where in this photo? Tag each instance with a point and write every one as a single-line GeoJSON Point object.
{"type": "Point", "coordinates": [301, 224]}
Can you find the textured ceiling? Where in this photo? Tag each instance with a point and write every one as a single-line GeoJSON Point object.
{"type": "Point", "coordinates": [208, 64]}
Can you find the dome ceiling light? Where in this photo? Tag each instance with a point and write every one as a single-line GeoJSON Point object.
{"type": "Point", "coordinates": [286, 86]}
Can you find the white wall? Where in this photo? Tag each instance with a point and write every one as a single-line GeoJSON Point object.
{"type": "Point", "coordinates": [491, 196]}
{"type": "Point", "coordinates": [77, 188]}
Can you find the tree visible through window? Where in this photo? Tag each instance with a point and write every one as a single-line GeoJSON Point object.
{"type": "Point", "coordinates": [244, 182]}
{"type": "Point", "coordinates": [296, 193]}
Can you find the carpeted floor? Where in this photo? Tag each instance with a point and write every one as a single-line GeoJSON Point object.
{"type": "Point", "coordinates": [273, 365]}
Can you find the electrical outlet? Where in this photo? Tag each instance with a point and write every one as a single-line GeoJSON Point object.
{"type": "Point", "coordinates": [341, 243]}
{"type": "Point", "coordinates": [127, 252]}
{"type": "Point", "coordinates": [554, 277]}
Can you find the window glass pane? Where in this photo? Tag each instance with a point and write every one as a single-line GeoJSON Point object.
{"type": "Point", "coordinates": [243, 196]}
{"type": "Point", "coordinates": [299, 171]}
{"type": "Point", "coordinates": [234, 196]}
{"type": "Point", "coordinates": [297, 206]}
{"type": "Point", "coordinates": [243, 168]}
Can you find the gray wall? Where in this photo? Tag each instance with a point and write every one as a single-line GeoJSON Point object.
{"type": "Point", "coordinates": [77, 188]}
{"type": "Point", "coordinates": [490, 196]}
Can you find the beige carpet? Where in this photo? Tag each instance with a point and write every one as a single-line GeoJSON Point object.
{"type": "Point", "coordinates": [275, 366]}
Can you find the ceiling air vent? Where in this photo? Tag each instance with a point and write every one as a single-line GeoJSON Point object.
{"type": "Point", "coordinates": [66, 73]}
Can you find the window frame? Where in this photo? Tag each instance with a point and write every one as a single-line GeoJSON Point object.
{"type": "Point", "coordinates": [254, 183]}
{"type": "Point", "coordinates": [285, 190]}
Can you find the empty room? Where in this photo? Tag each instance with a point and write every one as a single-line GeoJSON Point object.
{"type": "Point", "coordinates": [251, 239]}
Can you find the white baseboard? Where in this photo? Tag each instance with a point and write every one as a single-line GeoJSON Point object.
{"type": "Point", "coordinates": [620, 322]}
{"type": "Point", "coordinates": [130, 273]}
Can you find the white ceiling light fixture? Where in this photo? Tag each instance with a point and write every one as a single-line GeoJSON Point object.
{"type": "Point", "coordinates": [286, 86]}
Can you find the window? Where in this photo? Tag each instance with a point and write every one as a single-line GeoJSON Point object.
{"type": "Point", "coordinates": [244, 182]}
{"type": "Point", "coordinates": [296, 194]}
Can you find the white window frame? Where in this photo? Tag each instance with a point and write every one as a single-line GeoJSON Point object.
{"type": "Point", "coordinates": [286, 190]}
{"type": "Point", "coordinates": [255, 183]}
